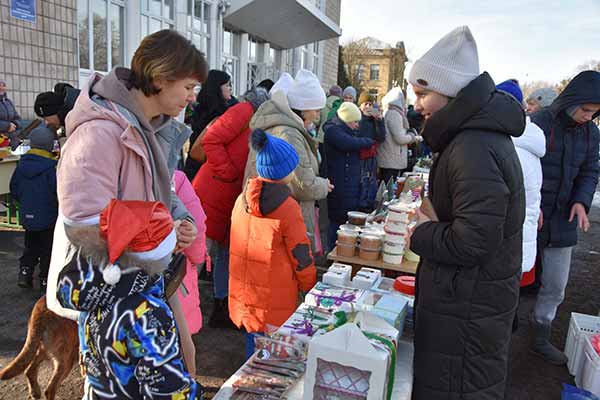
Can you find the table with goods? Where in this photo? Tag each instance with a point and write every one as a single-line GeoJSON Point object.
{"type": "Point", "coordinates": [352, 337]}
{"type": "Point", "coordinates": [377, 240]}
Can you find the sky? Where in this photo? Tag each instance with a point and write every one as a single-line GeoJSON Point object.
{"type": "Point", "coordinates": [528, 40]}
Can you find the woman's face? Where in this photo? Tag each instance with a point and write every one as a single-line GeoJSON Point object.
{"type": "Point", "coordinates": [226, 90]}
{"type": "Point", "coordinates": [2, 87]}
{"type": "Point", "coordinates": [349, 98]}
{"type": "Point", "coordinates": [428, 102]}
{"type": "Point", "coordinates": [175, 95]}
{"type": "Point", "coordinates": [311, 116]}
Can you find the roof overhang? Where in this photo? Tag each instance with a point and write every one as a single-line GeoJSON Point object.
{"type": "Point", "coordinates": [285, 24]}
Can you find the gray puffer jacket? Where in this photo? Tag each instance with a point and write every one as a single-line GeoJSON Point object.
{"type": "Point", "coordinates": [393, 152]}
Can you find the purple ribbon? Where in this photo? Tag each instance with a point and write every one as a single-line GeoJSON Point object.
{"type": "Point", "coordinates": [303, 328]}
{"type": "Point", "coordinates": [337, 300]}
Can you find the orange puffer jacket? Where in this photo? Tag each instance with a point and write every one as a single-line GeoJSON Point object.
{"type": "Point", "coordinates": [269, 256]}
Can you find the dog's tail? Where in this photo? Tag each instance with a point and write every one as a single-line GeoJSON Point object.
{"type": "Point", "coordinates": [35, 333]}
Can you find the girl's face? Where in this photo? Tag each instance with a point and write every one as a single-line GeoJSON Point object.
{"type": "Point", "coordinates": [428, 102]}
{"type": "Point", "coordinates": [226, 90]}
{"type": "Point", "coordinates": [353, 125]}
{"type": "Point", "coordinates": [175, 95]}
{"type": "Point", "coordinates": [311, 116]}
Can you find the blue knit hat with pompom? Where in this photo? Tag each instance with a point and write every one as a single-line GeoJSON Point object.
{"type": "Point", "coordinates": [275, 158]}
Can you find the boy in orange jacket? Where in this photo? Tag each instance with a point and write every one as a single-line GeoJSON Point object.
{"type": "Point", "coordinates": [270, 257]}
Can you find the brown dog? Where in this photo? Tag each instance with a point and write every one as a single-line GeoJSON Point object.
{"type": "Point", "coordinates": [48, 336]}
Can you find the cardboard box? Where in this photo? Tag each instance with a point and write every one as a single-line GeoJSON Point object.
{"type": "Point", "coordinates": [332, 297]}
{"type": "Point", "coordinates": [344, 363]}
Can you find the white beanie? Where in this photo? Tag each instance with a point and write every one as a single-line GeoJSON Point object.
{"type": "Point", "coordinates": [306, 93]}
{"type": "Point", "coordinates": [284, 83]}
{"type": "Point", "coordinates": [450, 65]}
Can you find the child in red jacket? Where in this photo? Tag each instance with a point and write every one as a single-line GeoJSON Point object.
{"type": "Point", "coordinates": [270, 256]}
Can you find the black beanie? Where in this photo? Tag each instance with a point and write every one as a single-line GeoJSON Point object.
{"type": "Point", "coordinates": [47, 104]}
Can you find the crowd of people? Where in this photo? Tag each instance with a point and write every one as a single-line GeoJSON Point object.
{"type": "Point", "coordinates": [127, 209]}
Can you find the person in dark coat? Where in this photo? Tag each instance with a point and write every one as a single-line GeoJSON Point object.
{"type": "Point", "coordinates": [570, 170]}
{"type": "Point", "coordinates": [33, 186]}
{"type": "Point", "coordinates": [372, 126]}
{"type": "Point", "coordinates": [54, 106]}
{"type": "Point", "coordinates": [10, 121]}
{"type": "Point", "coordinates": [470, 246]}
{"type": "Point", "coordinates": [213, 100]}
{"type": "Point", "coordinates": [343, 146]}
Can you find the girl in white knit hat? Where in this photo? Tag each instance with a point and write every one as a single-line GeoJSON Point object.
{"type": "Point", "coordinates": [471, 246]}
{"type": "Point", "coordinates": [289, 116]}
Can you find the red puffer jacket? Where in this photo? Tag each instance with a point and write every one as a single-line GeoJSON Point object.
{"type": "Point", "coordinates": [219, 181]}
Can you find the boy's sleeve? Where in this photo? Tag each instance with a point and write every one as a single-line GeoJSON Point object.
{"type": "Point", "coordinates": [14, 186]}
{"type": "Point", "coordinates": [298, 246]}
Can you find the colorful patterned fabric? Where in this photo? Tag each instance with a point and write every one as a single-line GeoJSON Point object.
{"type": "Point", "coordinates": [129, 341]}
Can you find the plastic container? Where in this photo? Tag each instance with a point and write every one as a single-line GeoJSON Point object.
{"type": "Point", "coordinates": [589, 376]}
{"type": "Point", "coordinates": [370, 242]}
{"type": "Point", "coordinates": [394, 238]}
{"type": "Point", "coordinates": [580, 326]}
{"type": "Point", "coordinates": [393, 259]}
{"type": "Point", "coordinates": [368, 254]}
{"type": "Point", "coordinates": [347, 237]}
{"type": "Point", "coordinates": [345, 250]}
{"type": "Point", "coordinates": [350, 227]}
{"type": "Point", "coordinates": [405, 285]}
{"type": "Point", "coordinates": [357, 218]}
{"type": "Point", "coordinates": [336, 278]}
{"type": "Point", "coordinates": [393, 248]}
{"type": "Point", "coordinates": [396, 227]}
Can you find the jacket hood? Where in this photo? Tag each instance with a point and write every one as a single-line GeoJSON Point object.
{"type": "Point", "coordinates": [584, 88]}
{"type": "Point", "coordinates": [262, 196]}
{"type": "Point", "coordinates": [478, 106]}
{"type": "Point", "coordinates": [394, 97]}
{"type": "Point", "coordinates": [36, 162]}
{"type": "Point", "coordinates": [86, 109]}
{"type": "Point", "coordinates": [276, 112]}
{"type": "Point", "coordinates": [116, 87]}
{"type": "Point", "coordinates": [532, 140]}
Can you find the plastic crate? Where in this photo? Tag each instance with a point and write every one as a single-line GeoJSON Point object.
{"type": "Point", "coordinates": [580, 327]}
{"type": "Point", "coordinates": [589, 376]}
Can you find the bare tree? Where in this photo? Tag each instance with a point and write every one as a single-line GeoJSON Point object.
{"type": "Point", "coordinates": [593, 65]}
{"type": "Point", "coordinates": [353, 52]}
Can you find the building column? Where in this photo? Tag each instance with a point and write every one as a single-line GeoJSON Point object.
{"type": "Point", "coordinates": [244, 37]}
{"type": "Point", "coordinates": [133, 34]}
{"type": "Point", "coordinates": [215, 29]}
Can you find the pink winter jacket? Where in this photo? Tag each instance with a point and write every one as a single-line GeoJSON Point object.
{"type": "Point", "coordinates": [104, 152]}
{"type": "Point", "coordinates": [195, 254]}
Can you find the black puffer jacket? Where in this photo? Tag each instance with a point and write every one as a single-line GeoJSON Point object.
{"type": "Point", "coordinates": [468, 279]}
{"type": "Point", "coordinates": [570, 165]}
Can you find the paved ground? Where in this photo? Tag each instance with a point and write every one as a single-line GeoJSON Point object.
{"type": "Point", "coordinates": [220, 352]}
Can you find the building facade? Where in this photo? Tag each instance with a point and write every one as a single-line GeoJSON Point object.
{"type": "Point", "coordinates": [251, 39]}
{"type": "Point", "coordinates": [381, 67]}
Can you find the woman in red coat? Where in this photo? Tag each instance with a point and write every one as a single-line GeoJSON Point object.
{"type": "Point", "coordinates": [218, 184]}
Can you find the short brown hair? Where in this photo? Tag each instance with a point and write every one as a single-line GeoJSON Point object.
{"type": "Point", "coordinates": [166, 55]}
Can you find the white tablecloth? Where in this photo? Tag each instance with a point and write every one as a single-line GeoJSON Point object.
{"type": "Point", "coordinates": [402, 382]}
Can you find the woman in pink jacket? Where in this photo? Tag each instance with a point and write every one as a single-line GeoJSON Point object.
{"type": "Point", "coordinates": [189, 295]}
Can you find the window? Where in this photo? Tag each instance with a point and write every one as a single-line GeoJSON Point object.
{"type": "Point", "coordinates": [374, 94]}
{"type": "Point", "coordinates": [230, 57]}
{"type": "Point", "coordinates": [374, 72]}
{"type": "Point", "coordinates": [157, 15]}
{"type": "Point", "coordinates": [360, 70]}
{"type": "Point", "coordinates": [198, 23]}
{"type": "Point", "coordinates": [316, 53]}
{"type": "Point", "coordinates": [304, 57]}
{"type": "Point", "coordinates": [101, 45]}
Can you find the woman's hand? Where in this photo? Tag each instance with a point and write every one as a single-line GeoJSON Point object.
{"type": "Point", "coordinates": [582, 219]}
